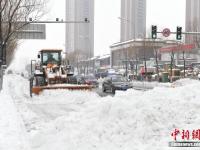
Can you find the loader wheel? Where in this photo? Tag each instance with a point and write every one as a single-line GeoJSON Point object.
{"type": "Point", "coordinates": [103, 89]}
{"type": "Point", "coordinates": [112, 90]}
{"type": "Point", "coordinates": [40, 81]}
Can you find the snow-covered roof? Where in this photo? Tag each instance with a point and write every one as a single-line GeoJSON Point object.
{"type": "Point", "coordinates": [104, 56]}
{"type": "Point", "coordinates": [93, 58]}
{"type": "Point", "coordinates": [134, 40]}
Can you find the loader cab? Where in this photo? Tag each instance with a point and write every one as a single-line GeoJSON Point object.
{"type": "Point", "coordinates": [50, 56]}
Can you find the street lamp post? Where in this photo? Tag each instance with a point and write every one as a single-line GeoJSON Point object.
{"type": "Point", "coordinates": [126, 53]}
{"type": "Point", "coordinates": [126, 30]}
{"type": "Point", "coordinates": [136, 69]}
{"type": "Point", "coordinates": [184, 64]}
{"type": "Point", "coordinates": [144, 55]}
{"type": "Point", "coordinates": [126, 62]}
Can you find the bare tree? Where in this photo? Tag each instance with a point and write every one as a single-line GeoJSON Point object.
{"type": "Point", "coordinates": [157, 67]}
{"type": "Point", "coordinates": [75, 57]}
{"type": "Point", "coordinates": [171, 63]}
{"type": "Point", "coordinates": [147, 45]}
{"type": "Point", "coordinates": [14, 15]}
{"type": "Point", "coordinates": [10, 51]}
{"type": "Point", "coordinates": [144, 57]}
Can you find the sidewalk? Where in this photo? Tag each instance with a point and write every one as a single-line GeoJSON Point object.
{"type": "Point", "coordinates": [12, 130]}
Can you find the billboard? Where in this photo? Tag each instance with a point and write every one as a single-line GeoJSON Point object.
{"type": "Point", "coordinates": [32, 31]}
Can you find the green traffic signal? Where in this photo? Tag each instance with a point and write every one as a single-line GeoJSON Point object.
{"type": "Point", "coordinates": [179, 33]}
{"type": "Point", "coordinates": [153, 32]}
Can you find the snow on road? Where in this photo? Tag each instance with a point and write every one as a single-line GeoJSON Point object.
{"type": "Point", "coordinates": [65, 120]}
{"type": "Point", "coordinates": [132, 120]}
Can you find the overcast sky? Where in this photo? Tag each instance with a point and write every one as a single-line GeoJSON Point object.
{"type": "Point", "coordinates": [163, 13]}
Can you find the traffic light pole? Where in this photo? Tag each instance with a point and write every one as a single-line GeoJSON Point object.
{"type": "Point", "coordinates": [39, 22]}
{"type": "Point", "coordinates": [184, 32]}
{"type": "Point", "coordinates": [30, 21]}
{"type": "Point", "coordinates": [166, 32]}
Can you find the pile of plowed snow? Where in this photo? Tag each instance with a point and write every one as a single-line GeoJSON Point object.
{"type": "Point", "coordinates": [132, 120]}
{"type": "Point", "coordinates": [13, 135]}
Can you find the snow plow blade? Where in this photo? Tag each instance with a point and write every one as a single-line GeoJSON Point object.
{"type": "Point", "coordinates": [38, 89]}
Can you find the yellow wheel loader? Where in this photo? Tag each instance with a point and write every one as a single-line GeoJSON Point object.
{"type": "Point", "coordinates": [48, 73]}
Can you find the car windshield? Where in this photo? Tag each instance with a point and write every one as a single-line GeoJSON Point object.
{"type": "Point", "coordinates": [79, 77]}
{"type": "Point", "coordinates": [90, 78]}
{"type": "Point", "coordinates": [50, 58]}
{"type": "Point", "coordinates": [118, 79]}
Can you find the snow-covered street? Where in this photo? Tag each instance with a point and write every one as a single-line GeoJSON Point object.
{"type": "Point", "coordinates": [80, 120]}
{"type": "Point", "coordinates": [99, 75]}
{"type": "Point", "coordinates": [66, 120]}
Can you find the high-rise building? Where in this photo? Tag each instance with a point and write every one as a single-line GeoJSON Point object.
{"type": "Point", "coordinates": [133, 19]}
{"type": "Point", "coordinates": [192, 23]}
{"type": "Point", "coordinates": [80, 36]}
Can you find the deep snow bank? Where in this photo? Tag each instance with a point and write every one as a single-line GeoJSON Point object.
{"type": "Point", "coordinates": [153, 84]}
{"type": "Point", "coordinates": [12, 130]}
{"type": "Point", "coordinates": [132, 120]}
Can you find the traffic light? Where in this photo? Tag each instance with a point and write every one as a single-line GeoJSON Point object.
{"type": "Point", "coordinates": [153, 32]}
{"type": "Point", "coordinates": [86, 19]}
{"type": "Point", "coordinates": [179, 33]}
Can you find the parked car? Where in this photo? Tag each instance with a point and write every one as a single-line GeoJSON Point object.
{"type": "Point", "coordinates": [91, 80]}
{"type": "Point", "coordinates": [105, 73]}
{"type": "Point", "coordinates": [116, 82]}
{"type": "Point", "coordinates": [101, 75]}
{"type": "Point", "coordinates": [78, 79]}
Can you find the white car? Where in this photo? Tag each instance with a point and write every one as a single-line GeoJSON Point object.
{"type": "Point", "coordinates": [199, 76]}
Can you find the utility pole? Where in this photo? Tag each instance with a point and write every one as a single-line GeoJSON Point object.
{"type": "Point", "coordinates": [145, 63]}
{"type": "Point", "coordinates": [156, 53]}
{"type": "Point", "coordinates": [136, 67]}
{"type": "Point", "coordinates": [126, 62]}
{"type": "Point", "coordinates": [172, 62]}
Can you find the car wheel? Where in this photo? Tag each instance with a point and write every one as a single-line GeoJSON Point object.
{"type": "Point", "coordinates": [112, 90]}
{"type": "Point", "coordinates": [103, 88]}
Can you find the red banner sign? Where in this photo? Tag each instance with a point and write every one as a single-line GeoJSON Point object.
{"type": "Point", "coordinates": [182, 47]}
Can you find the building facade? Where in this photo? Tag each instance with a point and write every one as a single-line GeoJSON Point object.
{"type": "Point", "coordinates": [133, 19]}
{"type": "Point", "coordinates": [80, 36]}
{"type": "Point", "coordinates": [136, 51]}
{"type": "Point", "coordinates": [192, 23]}
{"type": "Point", "coordinates": [95, 64]}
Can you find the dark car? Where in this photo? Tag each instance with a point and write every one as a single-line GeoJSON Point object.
{"type": "Point", "coordinates": [101, 75]}
{"type": "Point", "coordinates": [91, 80]}
{"type": "Point", "coordinates": [78, 79]}
{"type": "Point", "coordinates": [105, 73]}
{"type": "Point", "coordinates": [116, 82]}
